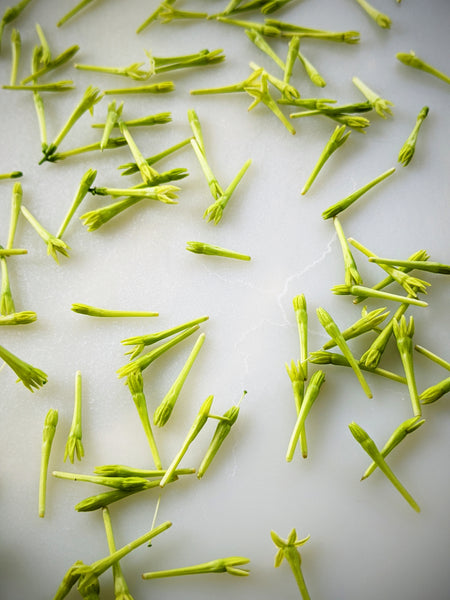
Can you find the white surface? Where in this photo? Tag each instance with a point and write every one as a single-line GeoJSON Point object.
{"type": "Point", "coordinates": [366, 542]}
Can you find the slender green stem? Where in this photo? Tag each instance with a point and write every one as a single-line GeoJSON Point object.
{"type": "Point", "coordinates": [74, 445]}
{"type": "Point", "coordinates": [86, 182]}
{"type": "Point", "coordinates": [92, 311]}
{"type": "Point", "coordinates": [335, 209]}
{"type": "Point", "coordinates": [433, 357]}
{"type": "Point", "coordinates": [435, 392]}
{"type": "Point", "coordinates": [403, 334]}
{"type": "Point", "coordinates": [361, 290]}
{"type": "Point", "coordinates": [352, 276]}
{"type": "Point", "coordinates": [16, 47]}
{"type": "Point", "coordinates": [409, 147]}
{"type": "Point", "coordinates": [210, 249]}
{"type": "Point", "coordinates": [75, 10]}
{"type": "Point", "coordinates": [154, 88]}
{"type": "Point", "coordinates": [411, 60]}
{"type": "Point", "coordinates": [215, 211]}
{"type": "Point", "coordinates": [421, 265]}
{"type": "Point", "coordinates": [220, 565]}
{"type": "Point", "coordinates": [48, 434]}
{"type": "Point", "coordinates": [164, 410]}
{"type": "Point", "coordinates": [297, 375]}
{"type": "Point", "coordinates": [366, 323]}
{"type": "Point", "coordinates": [334, 332]}
{"type": "Point", "coordinates": [379, 104]}
{"type": "Point", "coordinates": [322, 357]}
{"type": "Point", "coordinates": [58, 61]}
{"type": "Point", "coordinates": [16, 203]}
{"type": "Point", "coordinates": [301, 316]}
{"type": "Point", "coordinates": [338, 137]}
{"type": "Point", "coordinates": [196, 427]}
{"type": "Point", "coordinates": [136, 386]}
{"type": "Point", "coordinates": [288, 549]}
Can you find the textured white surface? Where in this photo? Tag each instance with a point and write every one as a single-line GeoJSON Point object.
{"type": "Point", "coordinates": [365, 540]}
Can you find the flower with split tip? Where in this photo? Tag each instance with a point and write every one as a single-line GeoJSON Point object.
{"type": "Point", "coordinates": [338, 137]}
{"type": "Point", "coordinates": [368, 322]}
{"type": "Point", "coordinates": [297, 375]}
{"type": "Point", "coordinates": [121, 590]}
{"type": "Point", "coordinates": [10, 14]}
{"type": "Point", "coordinates": [74, 445]}
{"type": "Point", "coordinates": [380, 105]}
{"type": "Point", "coordinates": [412, 60]}
{"type": "Point", "coordinates": [288, 29]}
{"type": "Point", "coordinates": [30, 376]}
{"type": "Point", "coordinates": [288, 549]}
{"type": "Point", "coordinates": [403, 334]}
{"type": "Point", "coordinates": [409, 147]}
{"type": "Point", "coordinates": [435, 391]}
{"type": "Point", "coordinates": [334, 332]}
{"type": "Point", "coordinates": [48, 433]}
{"type": "Point", "coordinates": [363, 438]}
{"type": "Point", "coordinates": [18, 318]}
{"type": "Point", "coordinates": [380, 19]}
{"type": "Point", "coordinates": [257, 38]}
{"type": "Point", "coordinates": [397, 436]}
{"type": "Point", "coordinates": [221, 565]}
{"type": "Point", "coordinates": [211, 250]}
{"type": "Point", "coordinates": [135, 384]}
{"type": "Point", "coordinates": [132, 71]}
{"type": "Point", "coordinates": [226, 421]}
{"type": "Point", "coordinates": [215, 211]}
{"type": "Point", "coordinates": [361, 290]}
{"type": "Point", "coordinates": [260, 93]}
{"type": "Point", "coordinates": [164, 410]}
{"type": "Point", "coordinates": [301, 316]}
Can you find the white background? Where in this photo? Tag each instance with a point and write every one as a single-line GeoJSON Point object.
{"type": "Point", "coordinates": [366, 542]}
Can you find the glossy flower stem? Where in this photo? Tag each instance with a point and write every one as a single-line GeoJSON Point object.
{"type": "Point", "coordinates": [7, 306]}
{"type": "Point", "coordinates": [10, 15]}
{"type": "Point", "coordinates": [437, 359]}
{"type": "Point", "coordinates": [361, 290]}
{"type": "Point", "coordinates": [75, 10]}
{"type": "Point", "coordinates": [220, 565]}
{"type": "Point", "coordinates": [257, 38]}
{"type": "Point", "coordinates": [85, 184]}
{"type": "Point", "coordinates": [163, 87]}
{"type": "Point", "coordinates": [93, 311]}
{"type": "Point", "coordinates": [309, 398]}
{"type": "Point", "coordinates": [351, 273]}
{"type": "Point", "coordinates": [213, 184]}
{"type": "Point", "coordinates": [379, 104]}
{"type": "Point", "coordinates": [90, 97]}
{"type": "Point", "coordinates": [30, 376]}
{"type": "Point", "coordinates": [289, 29]}
{"type": "Point", "coordinates": [16, 47]}
{"type": "Point", "coordinates": [48, 434]}
{"type": "Point", "coordinates": [226, 421]}
{"type": "Point", "coordinates": [261, 94]}
{"type": "Point", "coordinates": [158, 119]}
{"type": "Point", "coordinates": [196, 427]}
{"type": "Point", "coordinates": [411, 60]}
{"type": "Point", "coordinates": [335, 209]}
{"type": "Point", "coordinates": [288, 549]}
{"type": "Point", "coordinates": [435, 392]}
{"type": "Point", "coordinates": [126, 484]}
{"type": "Point", "coordinates": [380, 19]}
{"type": "Point", "coordinates": [409, 147]}
{"type": "Point", "coordinates": [291, 57]}
{"type": "Point", "coordinates": [301, 317]}
{"type": "Point", "coordinates": [311, 70]}
{"type": "Point", "coordinates": [397, 436]}
{"type": "Point", "coordinates": [131, 168]}
{"type": "Point", "coordinates": [133, 71]}
{"type": "Point", "coordinates": [403, 334]}
{"type": "Point", "coordinates": [148, 174]}
{"type": "Point", "coordinates": [338, 137]}
{"type": "Point", "coordinates": [46, 52]}
{"type": "Point", "coordinates": [57, 86]}
{"type": "Point", "coordinates": [164, 410]}
{"type": "Point", "coordinates": [262, 29]}
{"type": "Point", "coordinates": [144, 361]}
{"type": "Point", "coordinates": [421, 265]}
{"type": "Point", "coordinates": [154, 16]}
{"type": "Point", "coordinates": [121, 590]}
{"type": "Point", "coordinates": [16, 203]}
{"type": "Point", "coordinates": [124, 471]}
{"type": "Point", "coordinates": [363, 438]}
{"type": "Point", "coordinates": [321, 357]}
{"type": "Point", "coordinates": [74, 444]}
{"type": "Point", "coordinates": [112, 118]}
{"type": "Point", "coordinates": [112, 144]}
{"type": "Point", "coordinates": [210, 249]}
{"type": "Point", "coordinates": [334, 332]}
{"type": "Point", "coordinates": [54, 244]}
{"type": "Point", "coordinates": [215, 211]}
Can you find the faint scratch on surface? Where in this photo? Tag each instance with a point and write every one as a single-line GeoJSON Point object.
{"type": "Point", "coordinates": [299, 275]}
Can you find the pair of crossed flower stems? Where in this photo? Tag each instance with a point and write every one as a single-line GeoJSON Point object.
{"type": "Point", "coordinates": [221, 197]}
